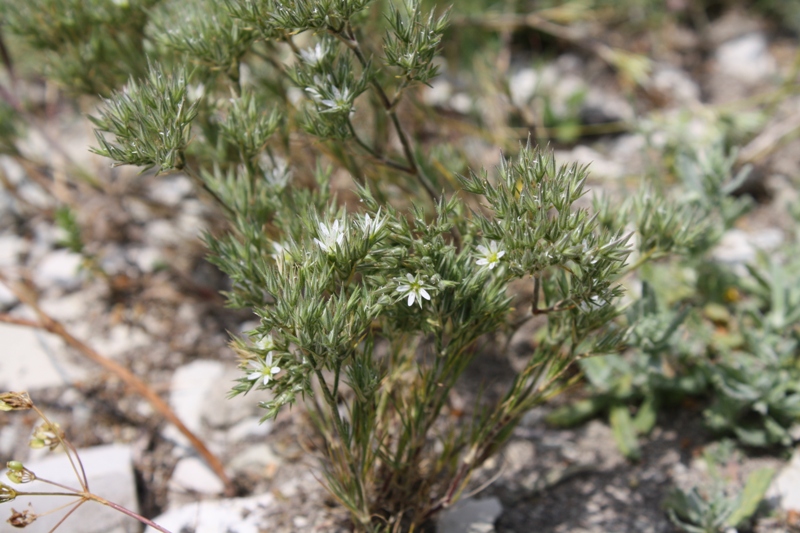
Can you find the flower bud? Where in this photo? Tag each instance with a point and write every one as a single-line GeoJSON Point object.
{"type": "Point", "coordinates": [15, 401]}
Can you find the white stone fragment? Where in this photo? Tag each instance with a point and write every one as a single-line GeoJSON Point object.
{"type": "Point", "coordinates": [470, 516]}
{"type": "Point", "coordinates": [190, 386]}
{"type": "Point", "coordinates": [522, 85]}
{"type": "Point", "coordinates": [784, 491]}
{"type": "Point", "coordinates": [746, 59]}
{"type": "Point", "coordinates": [240, 515]}
{"type": "Point", "coordinates": [33, 360]}
{"type": "Point", "coordinates": [170, 190]}
{"type": "Point", "coordinates": [110, 474]}
{"type": "Point", "coordinates": [7, 298]}
{"type": "Point", "coordinates": [11, 247]}
{"type": "Point", "coordinates": [193, 475]}
{"type": "Point", "coordinates": [59, 268]}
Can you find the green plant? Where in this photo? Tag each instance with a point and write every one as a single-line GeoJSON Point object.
{"type": "Point", "coordinates": [370, 315]}
{"type": "Point", "coordinates": [718, 508]}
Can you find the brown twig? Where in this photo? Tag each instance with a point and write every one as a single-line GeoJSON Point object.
{"type": "Point", "coordinates": [47, 323]}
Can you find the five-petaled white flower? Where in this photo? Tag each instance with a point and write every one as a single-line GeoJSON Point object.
{"type": "Point", "coordinates": [415, 289]}
{"type": "Point", "coordinates": [340, 103]}
{"type": "Point", "coordinates": [330, 237]}
{"type": "Point", "coordinates": [490, 256]}
{"type": "Point", "coordinates": [263, 370]}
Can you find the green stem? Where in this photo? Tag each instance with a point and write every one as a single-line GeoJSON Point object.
{"type": "Point", "coordinates": [347, 36]}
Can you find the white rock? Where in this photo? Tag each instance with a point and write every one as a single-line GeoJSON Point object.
{"type": "Point", "coordinates": [34, 360]}
{"type": "Point", "coordinates": [120, 339]}
{"type": "Point", "coordinates": [766, 239]}
{"type": "Point", "coordinates": [68, 308]}
{"type": "Point", "coordinates": [438, 94]}
{"type": "Point", "coordinates": [746, 59]}
{"type": "Point", "coordinates": [219, 411]}
{"type": "Point", "coordinates": [161, 233]}
{"type": "Point", "coordinates": [147, 259]}
{"type": "Point", "coordinates": [110, 474]}
{"type": "Point", "coordinates": [599, 165]}
{"type": "Point", "coordinates": [113, 260]}
{"type": "Point", "coordinates": [11, 247]}
{"type": "Point", "coordinates": [676, 84]}
{"type": "Point", "coordinates": [190, 386]}
{"type": "Point", "coordinates": [239, 515]}
{"type": "Point", "coordinates": [738, 247]}
{"type": "Point", "coordinates": [59, 268]}
{"type": "Point", "coordinates": [170, 190]}
{"type": "Point", "coordinates": [522, 85]}
{"type": "Point", "coordinates": [193, 475]}
{"type": "Point", "coordinates": [249, 427]}
{"type": "Point", "coordinates": [255, 459]}
{"type": "Point", "coordinates": [785, 488]}
{"type": "Point", "coordinates": [470, 516]}
{"type": "Point", "coordinates": [461, 103]}
{"type": "Point", "coordinates": [7, 298]}
{"type": "Point", "coordinates": [734, 248]}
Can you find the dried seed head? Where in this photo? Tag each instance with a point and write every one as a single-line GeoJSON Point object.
{"type": "Point", "coordinates": [7, 494]}
{"type": "Point", "coordinates": [15, 401]}
{"type": "Point", "coordinates": [17, 473]}
{"type": "Point", "coordinates": [22, 519]}
{"type": "Point", "coordinates": [47, 436]}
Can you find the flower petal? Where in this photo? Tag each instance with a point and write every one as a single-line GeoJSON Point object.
{"type": "Point", "coordinates": [411, 297]}
{"type": "Point", "coordinates": [424, 294]}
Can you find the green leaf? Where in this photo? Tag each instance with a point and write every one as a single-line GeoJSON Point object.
{"type": "Point", "coordinates": [645, 418]}
{"type": "Point", "coordinates": [577, 412]}
{"type": "Point", "coordinates": [624, 432]}
{"type": "Point", "coordinates": [754, 489]}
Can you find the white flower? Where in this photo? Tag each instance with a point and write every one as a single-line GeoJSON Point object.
{"type": "Point", "coordinates": [265, 343]}
{"type": "Point", "coordinates": [340, 103]}
{"type": "Point", "coordinates": [330, 237]}
{"type": "Point", "coordinates": [314, 55]}
{"type": "Point", "coordinates": [263, 370]}
{"type": "Point", "coordinates": [490, 256]}
{"type": "Point", "coordinates": [415, 289]}
{"type": "Point", "coordinates": [370, 226]}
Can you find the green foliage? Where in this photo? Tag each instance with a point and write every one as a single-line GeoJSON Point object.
{"type": "Point", "coordinates": [717, 509]}
{"type": "Point", "coordinates": [204, 32]}
{"type": "Point", "coordinates": [66, 220]}
{"type": "Point", "coordinates": [150, 122]}
{"type": "Point", "coordinates": [370, 316]}
{"type": "Point", "coordinates": [9, 128]}
{"type": "Point", "coordinates": [92, 45]}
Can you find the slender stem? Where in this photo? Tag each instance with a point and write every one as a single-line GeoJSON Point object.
{"type": "Point", "coordinates": [9, 319]}
{"type": "Point", "coordinates": [340, 429]}
{"type": "Point", "coordinates": [200, 182]}
{"type": "Point", "coordinates": [375, 155]}
{"type": "Point", "coordinates": [347, 36]}
{"type": "Point", "coordinates": [126, 511]}
{"type": "Point", "coordinates": [69, 450]}
{"type": "Point", "coordinates": [67, 515]}
{"type": "Point", "coordinates": [56, 484]}
{"type": "Point", "coordinates": [639, 262]}
{"type": "Point", "coordinates": [73, 494]}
